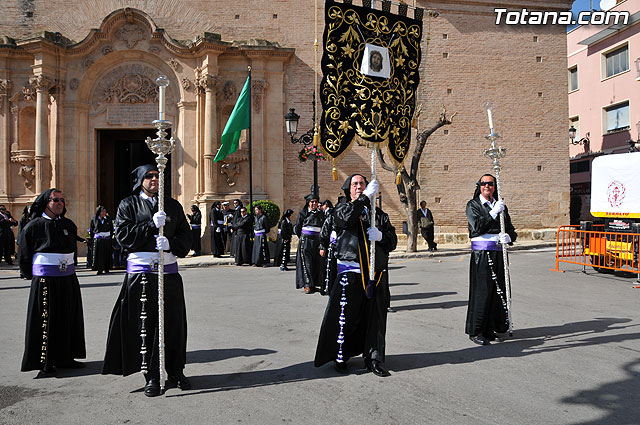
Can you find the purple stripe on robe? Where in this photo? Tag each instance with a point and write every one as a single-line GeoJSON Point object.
{"type": "Point", "coordinates": [146, 268]}
{"type": "Point", "coordinates": [344, 268]}
{"type": "Point", "coordinates": [51, 270]}
{"type": "Point", "coordinates": [485, 246]}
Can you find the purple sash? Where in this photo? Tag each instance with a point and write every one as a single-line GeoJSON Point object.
{"type": "Point", "coordinates": [51, 270]}
{"type": "Point", "coordinates": [259, 232]}
{"type": "Point", "coordinates": [344, 268]}
{"type": "Point", "coordinates": [148, 268]}
{"type": "Point", "coordinates": [310, 233]}
{"type": "Point", "coordinates": [102, 237]}
{"type": "Point", "coordinates": [485, 246]}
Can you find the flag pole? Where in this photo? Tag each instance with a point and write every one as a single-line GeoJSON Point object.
{"type": "Point", "coordinates": [250, 149]}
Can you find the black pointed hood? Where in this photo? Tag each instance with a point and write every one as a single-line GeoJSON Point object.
{"type": "Point", "coordinates": [138, 176]}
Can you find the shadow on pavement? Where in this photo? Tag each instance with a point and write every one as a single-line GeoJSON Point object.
{"type": "Point", "coordinates": [420, 296]}
{"type": "Point", "coordinates": [618, 399]}
{"type": "Point", "coordinates": [431, 306]}
{"type": "Point", "coordinates": [214, 355]}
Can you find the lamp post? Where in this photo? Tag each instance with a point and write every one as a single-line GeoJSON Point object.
{"type": "Point", "coordinates": [291, 120]}
{"type": "Point", "coordinates": [584, 141]}
{"type": "Point", "coordinates": [634, 145]}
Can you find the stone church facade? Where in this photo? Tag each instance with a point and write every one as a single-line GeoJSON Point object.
{"type": "Point", "coordinates": [74, 114]}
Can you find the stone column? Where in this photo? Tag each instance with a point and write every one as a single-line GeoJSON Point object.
{"type": "Point", "coordinates": [208, 82]}
{"type": "Point", "coordinates": [5, 131]}
{"type": "Point", "coordinates": [42, 85]}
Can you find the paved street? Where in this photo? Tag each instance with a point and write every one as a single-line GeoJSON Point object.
{"type": "Point", "coordinates": [574, 357]}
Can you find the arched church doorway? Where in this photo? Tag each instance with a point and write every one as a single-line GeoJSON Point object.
{"type": "Point", "coordinates": [119, 152]}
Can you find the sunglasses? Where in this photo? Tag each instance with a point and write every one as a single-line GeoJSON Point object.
{"type": "Point", "coordinates": [490, 184]}
{"type": "Point", "coordinates": [56, 200]}
{"type": "Point", "coordinates": [151, 175]}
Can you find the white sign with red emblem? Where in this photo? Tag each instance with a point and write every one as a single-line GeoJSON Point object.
{"type": "Point", "coordinates": [615, 185]}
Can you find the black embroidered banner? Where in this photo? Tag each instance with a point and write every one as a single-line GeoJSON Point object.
{"type": "Point", "coordinates": [370, 76]}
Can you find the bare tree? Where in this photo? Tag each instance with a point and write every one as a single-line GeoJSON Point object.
{"type": "Point", "coordinates": [408, 187]}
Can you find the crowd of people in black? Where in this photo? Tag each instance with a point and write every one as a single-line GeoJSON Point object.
{"type": "Point", "coordinates": [335, 257]}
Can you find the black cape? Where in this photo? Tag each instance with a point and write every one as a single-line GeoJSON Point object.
{"type": "Point", "coordinates": [102, 248]}
{"type": "Point", "coordinates": [260, 254]}
{"type": "Point", "coordinates": [217, 232]}
{"type": "Point", "coordinates": [365, 319]}
{"type": "Point", "coordinates": [55, 303]}
{"type": "Point", "coordinates": [242, 239]}
{"type": "Point", "coordinates": [283, 242]}
{"type": "Point", "coordinates": [135, 232]}
{"type": "Point", "coordinates": [486, 313]}
{"type": "Point", "coordinates": [308, 259]}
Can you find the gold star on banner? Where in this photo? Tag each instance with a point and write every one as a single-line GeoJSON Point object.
{"type": "Point", "coordinates": [399, 61]}
{"type": "Point", "coordinates": [348, 51]}
{"type": "Point", "coordinates": [395, 131]}
{"type": "Point", "coordinates": [376, 102]}
{"type": "Point", "coordinates": [344, 125]}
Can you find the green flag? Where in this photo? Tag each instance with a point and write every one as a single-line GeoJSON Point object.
{"type": "Point", "coordinates": [238, 121]}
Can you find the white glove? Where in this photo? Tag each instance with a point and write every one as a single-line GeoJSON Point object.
{"type": "Point", "coordinates": [497, 209]}
{"type": "Point", "coordinates": [371, 189]}
{"type": "Point", "coordinates": [504, 238]}
{"type": "Point", "coordinates": [159, 218]}
{"type": "Point", "coordinates": [218, 230]}
{"type": "Point", "coordinates": [162, 243]}
{"type": "Point", "coordinates": [374, 234]}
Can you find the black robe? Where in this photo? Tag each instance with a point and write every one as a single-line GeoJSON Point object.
{"type": "Point", "coordinates": [486, 313]}
{"type": "Point", "coordinates": [242, 239]}
{"type": "Point", "coordinates": [260, 254]}
{"type": "Point", "coordinates": [135, 232]}
{"type": "Point", "coordinates": [102, 248]}
{"type": "Point", "coordinates": [195, 220]}
{"type": "Point", "coordinates": [283, 243]}
{"type": "Point", "coordinates": [365, 319]}
{"type": "Point", "coordinates": [55, 303]}
{"type": "Point", "coordinates": [217, 232]}
{"type": "Point", "coordinates": [329, 265]}
{"type": "Point", "coordinates": [235, 218]}
{"type": "Point", "coordinates": [308, 259]}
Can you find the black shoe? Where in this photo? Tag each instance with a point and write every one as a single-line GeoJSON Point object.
{"type": "Point", "coordinates": [180, 381]}
{"type": "Point", "coordinates": [73, 364]}
{"type": "Point", "coordinates": [341, 367]}
{"type": "Point", "coordinates": [282, 268]}
{"type": "Point", "coordinates": [46, 372]}
{"type": "Point", "coordinates": [152, 388]}
{"type": "Point", "coordinates": [100, 272]}
{"type": "Point", "coordinates": [479, 339]}
{"type": "Point", "coordinates": [376, 367]}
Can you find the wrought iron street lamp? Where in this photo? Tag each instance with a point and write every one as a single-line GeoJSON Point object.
{"type": "Point", "coordinates": [291, 120]}
{"type": "Point", "coordinates": [583, 141]}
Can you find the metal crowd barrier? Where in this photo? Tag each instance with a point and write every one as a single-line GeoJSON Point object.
{"type": "Point", "coordinates": [605, 252]}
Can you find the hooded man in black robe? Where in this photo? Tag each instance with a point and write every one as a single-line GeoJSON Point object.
{"type": "Point", "coordinates": [328, 237]}
{"type": "Point", "coordinates": [242, 227]}
{"type": "Point", "coordinates": [308, 259]}
{"type": "Point", "coordinates": [136, 229]}
{"type": "Point", "coordinates": [216, 220]}
{"type": "Point", "coordinates": [101, 231]}
{"type": "Point", "coordinates": [261, 226]}
{"type": "Point", "coordinates": [48, 255]}
{"type": "Point", "coordinates": [195, 220]}
{"type": "Point", "coordinates": [283, 243]}
{"type": "Point", "coordinates": [355, 320]}
{"type": "Point", "coordinates": [487, 316]}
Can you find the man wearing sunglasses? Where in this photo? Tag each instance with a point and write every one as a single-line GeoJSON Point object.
{"type": "Point", "coordinates": [486, 313]}
{"type": "Point", "coordinates": [55, 322]}
{"type": "Point", "coordinates": [136, 229]}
